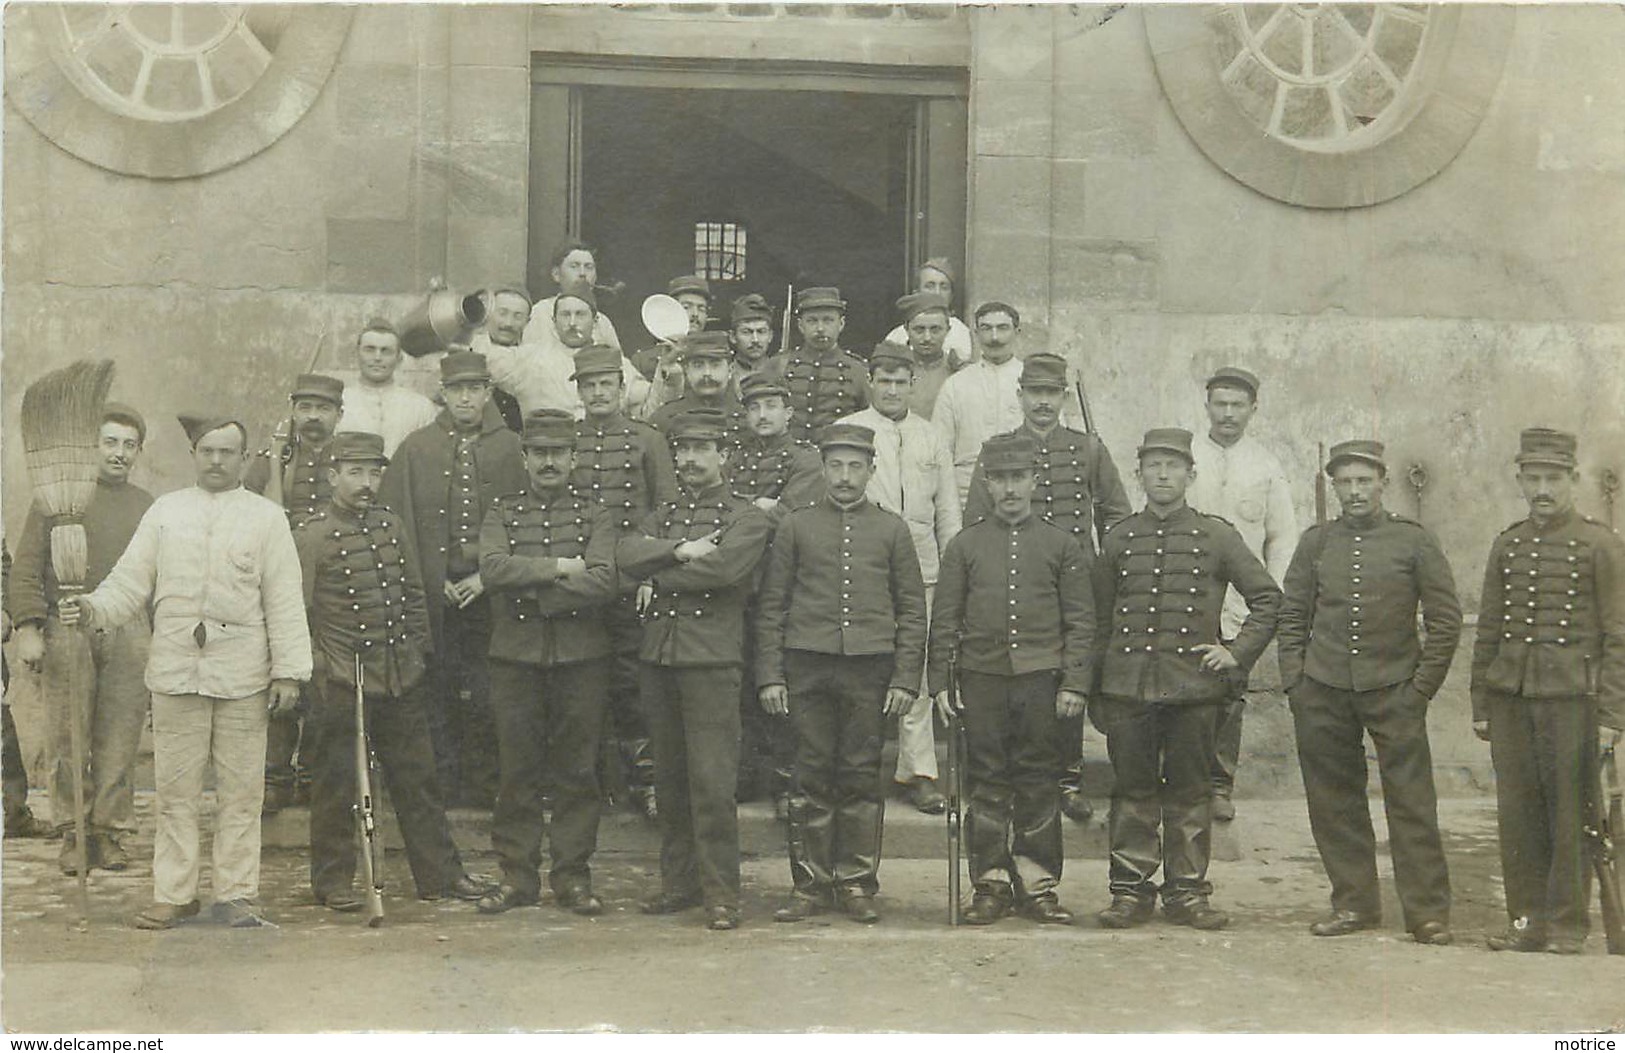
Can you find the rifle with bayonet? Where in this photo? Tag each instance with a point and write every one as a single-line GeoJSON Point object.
{"type": "Point", "coordinates": [789, 315]}
{"type": "Point", "coordinates": [366, 827]}
{"type": "Point", "coordinates": [1320, 484]}
{"type": "Point", "coordinates": [957, 754]}
{"type": "Point", "coordinates": [1605, 825]}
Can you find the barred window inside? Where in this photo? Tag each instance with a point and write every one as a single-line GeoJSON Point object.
{"type": "Point", "coordinates": [719, 251]}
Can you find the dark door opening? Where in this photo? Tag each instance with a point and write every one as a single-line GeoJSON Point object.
{"type": "Point", "coordinates": [804, 188]}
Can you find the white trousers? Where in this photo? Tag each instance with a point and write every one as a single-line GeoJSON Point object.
{"type": "Point", "coordinates": [188, 733]}
{"type": "Point", "coordinates": [916, 735]}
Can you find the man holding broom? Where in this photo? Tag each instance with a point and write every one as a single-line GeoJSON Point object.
{"type": "Point", "coordinates": [220, 571]}
{"type": "Point", "coordinates": [110, 700]}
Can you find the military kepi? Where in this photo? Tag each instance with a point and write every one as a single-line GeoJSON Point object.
{"type": "Point", "coordinates": [700, 424]}
{"type": "Point", "coordinates": [890, 355]}
{"type": "Point", "coordinates": [316, 386]}
{"type": "Point", "coordinates": [357, 446]}
{"type": "Point", "coordinates": [751, 307]}
{"type": "Point", "coordinates": [1167, 440]}
{"type": "Point", "coordinates": [1011, 452]}
{"type": "Point", "coordinates": [462, 366]}
{"type": "Point", "coordinates": [854, 435]}
{"type": "Point", "coordinates": [1043, 371]}
{"type": "Point", "coordinates": [762, 384]}
{"type": "Point", "coordinates": [1367, 451]}
{"type": "Point", "coordinates": [599, 358]}
{"type": "Point", "coordinates": [549, 429]}
{"type": "Point", "coordinates": [1234, 377]}
{"type": "Point", "coordinates": [819, 296]}
{"type": "Point", "coordinates": [1547, 446]}
{"type": "Point", "coordinates": [917, 303]}
{"type": "Point", "coordinates": [704, 344]}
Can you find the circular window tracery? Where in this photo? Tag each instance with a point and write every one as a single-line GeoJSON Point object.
{"type": "Point", "coordinates": [1330, 105]}
{"type": "Point", "coordinates": [168, 90]}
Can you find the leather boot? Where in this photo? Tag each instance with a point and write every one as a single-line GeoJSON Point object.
{"type": "Point", "coordinates": [990, 902]}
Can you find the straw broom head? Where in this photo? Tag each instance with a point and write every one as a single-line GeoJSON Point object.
{"type": "Point", "coordinates": [62, 416]}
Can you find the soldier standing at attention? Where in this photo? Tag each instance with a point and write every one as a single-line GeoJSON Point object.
{"type": "Point", "coordinates": [913, 477]}
{"type": "Point", "coordinates": [1159, 586]}
{"type": "Point", "coordinates": [294, 472]}
{"type": "Point", "coordinates": [841, 637]}
{"type": "Point", "coordinates": [443, 478]}
{"type": "Point", "coordinates": [1243, 483]}
{"type": "Point", "coordinates": [625, 466]}
{"type": "Point", "coordinates": [362, 596]}
{"type": "Point", "coordinates": [700, 554]}
{"type": "Point", "coordinates": [1351, 663]}
{"type": "Point", "coordinates": [825, 382]}
{"type": "Point", "coordinates": [1077, 489]}
{"type": "Point", "coordinates": [1548, 689]}
{"type": "Point", "coordinates": [548, 557]}
{"type": "Point", "coordinates": [1015, 614]}
{"type": "Point", "coordinates": [777, 474]}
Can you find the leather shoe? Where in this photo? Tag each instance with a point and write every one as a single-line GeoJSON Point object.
{"type": "Point", "coordinates": [1196, 913]}
{"type": "Point", "coordinates": [580, 900]}
{"type": "Point", "coordinates": [1076, 807]}
{"type": "Point", "coordinates": [344, 901]}
{"type": "Point", "coordinates": [860, 907]}
{"type": "Point", "coordinates": [927, 798]}
{"type": "Point", "coordinates": [1432, 934]}
{"type": "Point", "coordinates": [505, 898]}
{"type": "Point", "coordinates": [165, 915]}
{"type": "Point", "coordinates": [985, 909]}
{"type": "Point", "coordinates": [26, 824]}
{"type": "Point", "coordinates": [1517, 937]}
{"type": "Point", "coordinates": [469, 888]}
{"type": "Point", "coordinates": [1343, 922]}
{"type": "Point", "coordinates": [1046, 910]}
{"type": "Point", "coordinates": [69, 859]}
{"type": "Point", "coordinates": [670, 902]}
{"type": "Point", "coordinates": [722, 919]}
{"type": "Point", "coordinates": [108, 853]}
{"type": "Point", "coordinates": [799, 907]}
{"type": "Point", "coordinates": [1125, 912]}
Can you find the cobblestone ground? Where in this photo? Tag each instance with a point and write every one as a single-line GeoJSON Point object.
{"type": "Point", "coordinates": [442, 966]}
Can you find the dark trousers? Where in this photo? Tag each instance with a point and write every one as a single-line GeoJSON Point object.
{"type": "Point", "coordinates": [1069, 753]}
{"type": "Point", "coordinates": [284, 767]}
{"type": "Point", "coordinates": [398, 728]}
{"type": "Point", "coordinates": [693, 718]}
{"type": "Point", "coordinates": [626, 731]}
{"type": "Point", "coordinates": [548, 723]}
{"type": "Point", "coordinates": [1227, 744]}
{"type": "Point", "coordinates": [460, 723]}
{"type": "Point", "coordinates": [767, 741]}
{"type": "Point", "coordinates": [1014, 824]}
{"type": "Point", "coordinates": [1539, 748]}
{"type": "Point", "coordinates": [1161, 755]}
{"type": "Point", "coordinates": [837, 801]}
{"type": "Point", "coordinates": [13, 776]}
{"type": "Point", "coordinates": [1331, 726]}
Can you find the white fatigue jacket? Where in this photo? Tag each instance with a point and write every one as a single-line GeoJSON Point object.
{"type": "Point", "coordinates": [538, 376]}
{"type": "Point", "coordinates": [227, 562]}
{"type": "Point", "coordinates": [391, 410]}
{"type": "Point", "coordinates": [1246, 485]}
{"type": "Point", "coordinates": [914, 477]}
{"type": "Point", "coordinates": [975, 404]}
{"type": "Point", "coordinates": [539, 329]}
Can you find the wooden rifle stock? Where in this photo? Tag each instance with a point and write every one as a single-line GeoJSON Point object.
{"type": "Point", "coordinates": [1604, 827]}
{"type": "Point", "coordinates": [956, 793]}
{"type": "Point", "coordinates": [372, 876]}
{"type": "Point", "coordinates": [1320, 484]}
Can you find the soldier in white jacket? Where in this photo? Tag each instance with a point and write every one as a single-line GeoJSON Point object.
{"type": "Point", "coordinates": [218, 568]}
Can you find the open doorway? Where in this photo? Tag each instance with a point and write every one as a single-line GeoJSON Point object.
{"type": "Point", "coordinates": [757, 190]}
{"type": "Point", "coordinates": [758, 174]}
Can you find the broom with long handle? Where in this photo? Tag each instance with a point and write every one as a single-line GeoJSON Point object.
{"type": "Point", "coordinates": [62, 413]}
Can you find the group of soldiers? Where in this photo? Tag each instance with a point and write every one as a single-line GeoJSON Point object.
{"type": "Point", "coordinates": [734, 559]}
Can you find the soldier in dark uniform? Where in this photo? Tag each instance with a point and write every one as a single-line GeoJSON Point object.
{"type": "Point", "coordinates": [300, 484]}
{"type": "Point", "coordinates": [1548, 689]}
{"type": "Point", "coordinates": [776, 473]}
{"type": "Point", "coordinates": [363, 596]}
{"type": "Point", "coordinates": [548, 557]}
{"type": "Point", "coordinates": [825, 382]}
{"type": "Point", "coordinates": [1351, 663]}
{"type": "Point", "coordinates": [705, 360]}
{"type": "Point", "coordinates": [751, 335]}
{"type": "Point", "coordinates": [1078, 489]}
{"type": "Point", "coordinates": [1015, 614]}
{"type": "Point", "coordinates": [840, 639]}
{"type": "Point", "coordinates": [443, 478]}
{"type": "Point", "coordinates": [693, 292]}
{"type": "Point", "coordinates": [700, 553]}
{"type": "Point", "coordinates": [625, 466]}
{"type": "Point", "coordinates": [1159, 587]}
